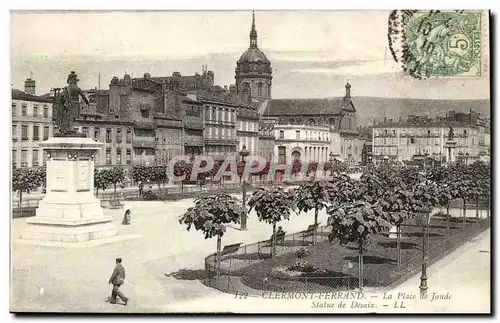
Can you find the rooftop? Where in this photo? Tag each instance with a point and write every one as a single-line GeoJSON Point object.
{"type": "Point", "coordinates": [21, 95]}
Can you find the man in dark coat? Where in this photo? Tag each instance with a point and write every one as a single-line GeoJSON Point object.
{"type": "Point", "coordinates": [117, 279]}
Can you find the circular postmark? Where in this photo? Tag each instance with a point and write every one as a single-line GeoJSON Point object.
{"type": "Point", "coordinates": [436, 43]}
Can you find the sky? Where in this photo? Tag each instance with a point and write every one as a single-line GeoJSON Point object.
{"type": "Point", "coordinates": [313, 53]}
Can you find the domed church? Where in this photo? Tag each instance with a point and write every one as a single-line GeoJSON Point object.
{"type": "Point", "coordinates": [253, 72]}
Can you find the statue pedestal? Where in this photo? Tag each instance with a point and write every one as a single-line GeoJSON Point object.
{"type": "Point", "coordinates": [450, 146]}
{"type": "Point", "coordinates": [69, 213]}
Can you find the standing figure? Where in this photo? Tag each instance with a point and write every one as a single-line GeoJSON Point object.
{"type": "Point", "coordinates": [451, 134]}
{"type": "Point", "coordinates": [68, 103]}
{"type": "Point", "coordinates": [117, 279]}
{"type": "Point", "coordinates": [126, 218]}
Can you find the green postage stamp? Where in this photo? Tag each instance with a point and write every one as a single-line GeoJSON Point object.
{"type": "Point", "coordinates": [437, 43]}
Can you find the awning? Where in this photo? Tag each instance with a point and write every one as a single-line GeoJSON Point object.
{"type": "Point", "coordinates": [339, 159]}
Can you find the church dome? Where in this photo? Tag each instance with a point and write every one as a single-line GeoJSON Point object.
{"type": "Point", "coordinates": [253, 55]}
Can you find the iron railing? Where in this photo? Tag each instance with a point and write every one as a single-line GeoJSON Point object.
{"type": "Point", "coordinates": [236, 266]}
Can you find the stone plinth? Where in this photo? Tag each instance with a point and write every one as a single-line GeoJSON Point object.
{"type": "Point", "coordinates": [450, 146]}
{"type": "Point", "coordinates": [69, 212]}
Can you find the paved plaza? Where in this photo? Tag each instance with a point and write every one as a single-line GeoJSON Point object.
{"type": "Point", "coordinates": [57, 279]}
{"type": "Point", "coordinates": [77, 279]}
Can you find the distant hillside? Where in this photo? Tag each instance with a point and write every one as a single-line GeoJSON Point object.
{"type": "Point", "coordinates": [370, 108]}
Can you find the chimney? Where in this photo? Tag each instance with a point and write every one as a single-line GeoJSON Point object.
{"type": "Point", "coordinates": [226, 88]}
{"type": "Point", "coordinates": [29, 86]}
{"type": "Point", "coordinates": [127, 80]}
{"type": "Point", "coordinates": [176, 80]}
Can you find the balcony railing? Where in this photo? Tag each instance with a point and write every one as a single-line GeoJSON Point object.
{"type": "Point", "coordinates": [144, 142]}
{"type": "Point", "coordinates": [220, 141]}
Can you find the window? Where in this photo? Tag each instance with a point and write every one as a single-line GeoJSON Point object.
{"type": "Point", "coordinates": [14, 109]}
{"type": "Point", "coordinates": [108, 156]}
{"type": "Point", "coordinates": [35, 111]}
{"type": "Point", "coordinates": [85, 131]}
{"type": "Point", "coordinates": [465, 133]}
{"type": "Point", "coordinates": [108, 135]}
{"type": "Point", "coordinates": [128, 159]}
{"type": "Point", "coordinates": [36, 132]}
{"type": "Point", "coordinates": [45, 111]}
{"type": "Point", "coordinates": [282, 134]}
{"type": "Point", "coordinates": [119, 135]}
{"type": "Point", "coordinates": [394, 133]}
{"type": "Point", "coordinates": [23, 110]}
{"type": "Point", "coordinates": [118, 156]}
{"type": "Point", "coordinates": [412, 140]}
{"type": "Point", "coordinates": [14, 157]}
{"type": "Point", "coordinates": [24, 132]}
{"type": "Point", "coordinates": [428, 133]}
{"type": "Point", "coordinates": [281, 155]}
{"type": "Point", "coordinates": [97, 133]}
{"type": "Point", "coordinates": [128, 138]}
{"type": "Point", "coordinates": [45, 132]}
{"type": "Point", "coordinates": [24, 158]}
{"type": "Point", "coordinates": [44, 158]}
{"type": "Point", "coordinates": [260, 89]}
{"type": "Point", "coordinates": [35, 157]}
{"type": "Point", "coordinates": [14, 132]}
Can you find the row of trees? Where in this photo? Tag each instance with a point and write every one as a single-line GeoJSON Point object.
{"type": "Point", "coordinates": [26, 180]}
{"type": "Point", "coordinates": [382, 198]}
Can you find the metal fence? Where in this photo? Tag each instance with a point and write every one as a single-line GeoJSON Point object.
{"type": "Point", "coordinates": [253, 263]}
{"type": "Point", "coordinates": [162, 193]}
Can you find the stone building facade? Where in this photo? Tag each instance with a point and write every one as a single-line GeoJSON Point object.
{"type": "Point", "coordinates": [31, 124]}
{"type": "Point", "coordinates": [267, 137]}
{"type": "Point", "coordinates": [404, 140]}
{"type": "Point", "coordinates": [306, 142]}
{"type": "Point", "coordinates": [340, 113]}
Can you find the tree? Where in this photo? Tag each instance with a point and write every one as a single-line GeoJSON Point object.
{"type": "Point", "coordinates": [313, 196]}
{"type": "Point", "coordinates": [447, 189]}
{"type": "Point", "coordinates": [26, 180]}
{"type": "Point", "coordinates": [213, 172]}
{"type": "Point", "coordinates": [113, 176]}
{"type": "Point", "coordinates": [182, 169]}
{"type": "Point", "coordinates": [296, 166]}
{"type": "Point", "coordinates": [99, 181]}
{"type": "Point", "coordinates": [210, 215]}
{"type": "Point", "coordinates": [464, 185]}
{"type": "Point", "coordinates": [158, 174]}
{"type": "Point", "coordinates": [396, 204]}
{"type": "Point", "coordinates": [312, 168]}
{"type": "Point", "coordinates": [480, 187]}
{"type": "Point", "coordinates": [141, 173]}
{"type": "Point", "coordinates": [272, 206]}
{"type": "Point", "coordinates": [353, 218]}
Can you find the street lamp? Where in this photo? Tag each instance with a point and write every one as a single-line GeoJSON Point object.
{"type": "Point", "coordinates": [244, 153]}
{"type": "Point", "coordinates": [424, 219]}
{"type": "Point", "coordinates": [331, 163]}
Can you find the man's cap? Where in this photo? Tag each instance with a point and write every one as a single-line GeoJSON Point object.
{"type": "Point", "coordinates": [119, 259]}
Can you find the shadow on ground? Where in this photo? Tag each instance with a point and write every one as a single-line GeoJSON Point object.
{"type": "Point", "coordinates": [370, 259]}
{"type": "Point", "coordinates": [404, 245]}
{"type": "Point", "coordinates": [188, 274]}
{"type": "Point", "coordinates": [419, 234]}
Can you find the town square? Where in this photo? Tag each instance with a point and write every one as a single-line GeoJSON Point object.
{"type": "Point", "coordinates": [249, 173]}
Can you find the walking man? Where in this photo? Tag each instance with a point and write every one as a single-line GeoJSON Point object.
{"type": "Point", "coordinates": [117, 279]}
